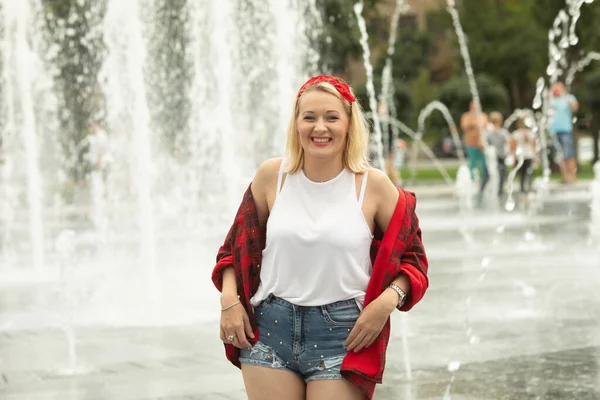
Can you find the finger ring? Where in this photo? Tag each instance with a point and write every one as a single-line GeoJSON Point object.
{"type": "Point", "coordinates": [230, 338]}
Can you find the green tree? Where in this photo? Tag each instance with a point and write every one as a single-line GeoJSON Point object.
{"type": "Point", "coordinates": [506, 45]}
{"type": "Point", "coordinates": [412, 52]}
{"type": "Point", "coordinates": [169, 71]}
{"type": "Point", "coordinates": [402, 97]}
{"type": "Point", "coordinates": [338, 40]}
{"type": "Point", "coordinates": [545, 11]}
{"type": "Point", "coordinates": [79, 51]}
{"type": "Point", "coordinates": [456, 95]}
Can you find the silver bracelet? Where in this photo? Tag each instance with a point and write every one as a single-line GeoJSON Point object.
{"type": "Point", "coordinates": [231, 306]}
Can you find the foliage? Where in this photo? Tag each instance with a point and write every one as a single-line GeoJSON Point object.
{"type": "Point", "coordinates": [504, 44]}
{"type": "Point", "coordinates": [77, 54]}
{"type": "Point", "coordinates": [169, 71]}
{"type": "Point", "coordinates": [338, 41]}
{"type": "Point", "coordinates": [402, 97]}
{"type": "Point", "coordinates": [545, 11]}
{"type": "Point", "coordinates": [412, 51]}
{"type": "Point", "coordinates": [457, 96]}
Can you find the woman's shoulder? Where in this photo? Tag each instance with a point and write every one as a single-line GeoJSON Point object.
{"type": "Point", "coordinates": [270, 165]}
{"type": "Point", "coordinates": [381, 185]}
{"type": "Point", "coordinates": [266, 173]}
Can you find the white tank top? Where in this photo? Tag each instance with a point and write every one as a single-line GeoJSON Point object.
{"type": "Point", "coordinates": [318, 242]}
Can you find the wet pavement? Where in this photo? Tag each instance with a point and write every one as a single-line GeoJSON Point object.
{"type": "Point", "coordinates": [512, 312]}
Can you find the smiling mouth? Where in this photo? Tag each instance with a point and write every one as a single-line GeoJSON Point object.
{"type": "Point", "coordinates": [321, 140]}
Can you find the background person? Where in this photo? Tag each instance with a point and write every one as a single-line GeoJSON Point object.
{"type": "Point", "coordinates": [473, 124]}
{"type": "Point", "coordinates": [499, 138]}
{"type": "Point", "coordinates": [525, 142]}
{"type": "Point", "coordinates": [563, 105]}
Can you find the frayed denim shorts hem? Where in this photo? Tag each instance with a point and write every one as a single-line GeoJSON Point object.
{"type": "Point", "coordinates": [262, 355]}
{"type": "Point", "coordinates": [307, 341]}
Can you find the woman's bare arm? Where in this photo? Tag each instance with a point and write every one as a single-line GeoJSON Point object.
{"type": "Point", "coordinates": [266, 176]}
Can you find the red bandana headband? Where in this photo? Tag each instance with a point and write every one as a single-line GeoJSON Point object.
{"type": "Point", "coordinates": [340, 86]}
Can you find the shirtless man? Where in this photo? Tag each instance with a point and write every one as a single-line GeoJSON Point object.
{"type": "Point", "coordinates": [473, 138]}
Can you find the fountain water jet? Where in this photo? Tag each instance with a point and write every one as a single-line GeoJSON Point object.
{"type": "Point", "coordinates": [125, 89]}
{"type": "Point", "coordinates": [376, 137]}
{"type": "Point", "coordinates": [387, 86]}
{"type": "Point", "coordinates": [464, 51]}
{"type": "Point", "coordinates": [397, 124]}
{"type": "Point", "coordinates": [418, 139]}
{"type": "Point", "coordinates": [20, 59]}
{"type": "Point", "coordinates": [580, 66]}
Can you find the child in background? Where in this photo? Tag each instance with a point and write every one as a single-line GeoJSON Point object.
{"type": "Point", "coordinates": [525, 141]}
{"type": "Point", "coordinates": [499, 139]}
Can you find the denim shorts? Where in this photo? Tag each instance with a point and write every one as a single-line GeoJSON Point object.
{"type": "Point", "coordinates": [566, 143]}
{"type": "Point", "coordinates": [308, 341]}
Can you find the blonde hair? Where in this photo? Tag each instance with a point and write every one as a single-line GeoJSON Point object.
{"type": "Point", "coordinates": [496, 118]}
{"type": "Point", "coordinates": [355, 157]}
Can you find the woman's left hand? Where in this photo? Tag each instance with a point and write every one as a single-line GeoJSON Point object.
{"type": "Point", "coordinates": [370, 322]}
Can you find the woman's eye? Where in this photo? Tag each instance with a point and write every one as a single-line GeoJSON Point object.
{"type": "Point", "coordinates": [309, 118]}
{"type": "Point", "coordinates": [332, 118]}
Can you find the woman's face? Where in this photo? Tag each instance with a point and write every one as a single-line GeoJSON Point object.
{"type": "Point", "coordinates": [322, 124]}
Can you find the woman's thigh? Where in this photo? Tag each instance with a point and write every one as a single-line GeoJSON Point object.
{"type": "Point", "coordinates": [267, 383]}
{"type": "Point", "coordinates": [332, 390]}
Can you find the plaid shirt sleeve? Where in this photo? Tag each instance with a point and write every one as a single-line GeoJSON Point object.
{"type": "Point", "coordinates": [399, 251]}
{"type": "Point", "coordinates": [411, 256]}
{"type": "Point", "coordinates": [242, 250]}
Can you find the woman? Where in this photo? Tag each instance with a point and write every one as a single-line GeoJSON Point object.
{"type": "Point", "coordinates": [305, 307]}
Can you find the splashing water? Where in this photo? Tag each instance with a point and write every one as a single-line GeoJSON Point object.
{"type": "Point", "coordinates": [464, 187]}
{"type": "Point", "coordinates": [492, 173]}
{"type": "Point", "coordinates": [539, 88]}
{"type": "Point", "coordinates": [397, 124]}
{"type": "Point", "coordinates": [441, 107]}
{"type": "Point", "coordinates": [537, 121]}
{"type": "Point", "coordinates": [376, 139]}
{"type": "Point", "coordinates": [580, 66]}
{"type": "Point", "coordinates": [387, 86]}
{"type": "Point", "coordinates": [65, 249]}
{"type": "Point", "coordinates": [516, 115]}
{"type": "Point", "coordinates": [540, 124]}
{"type": "Point", "coordinates": [575, 11]}
{"type": "Point", "coordinates": [20, 58]}
{"type": "Point", "coordinates": [563, 30]}
{"type": "Point", "coordinates": [464, 51]}
{"type": "Point", "coordinates": [163, 211]}
{"type": "Point", "coordinates": [453, 367]}
{"type": "Point", "coordinates": [315, 25]}
{"type": "Point", "coordinates": [125, 89]}
{"type": "Point", "coordinates": [557, 50]}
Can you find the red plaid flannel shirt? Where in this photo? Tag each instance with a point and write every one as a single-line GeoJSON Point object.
{"type": "Point", "coordinates": [399, 250]}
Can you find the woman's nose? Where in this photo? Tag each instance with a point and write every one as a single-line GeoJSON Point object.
{"type": "Point", "coordinates": [320, 125]}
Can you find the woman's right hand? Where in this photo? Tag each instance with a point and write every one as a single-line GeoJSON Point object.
{"type": "Point", "coordinates": [235, 323]}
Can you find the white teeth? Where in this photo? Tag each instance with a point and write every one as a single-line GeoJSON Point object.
{"type": "Point", "coordinates": [321, 140]}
